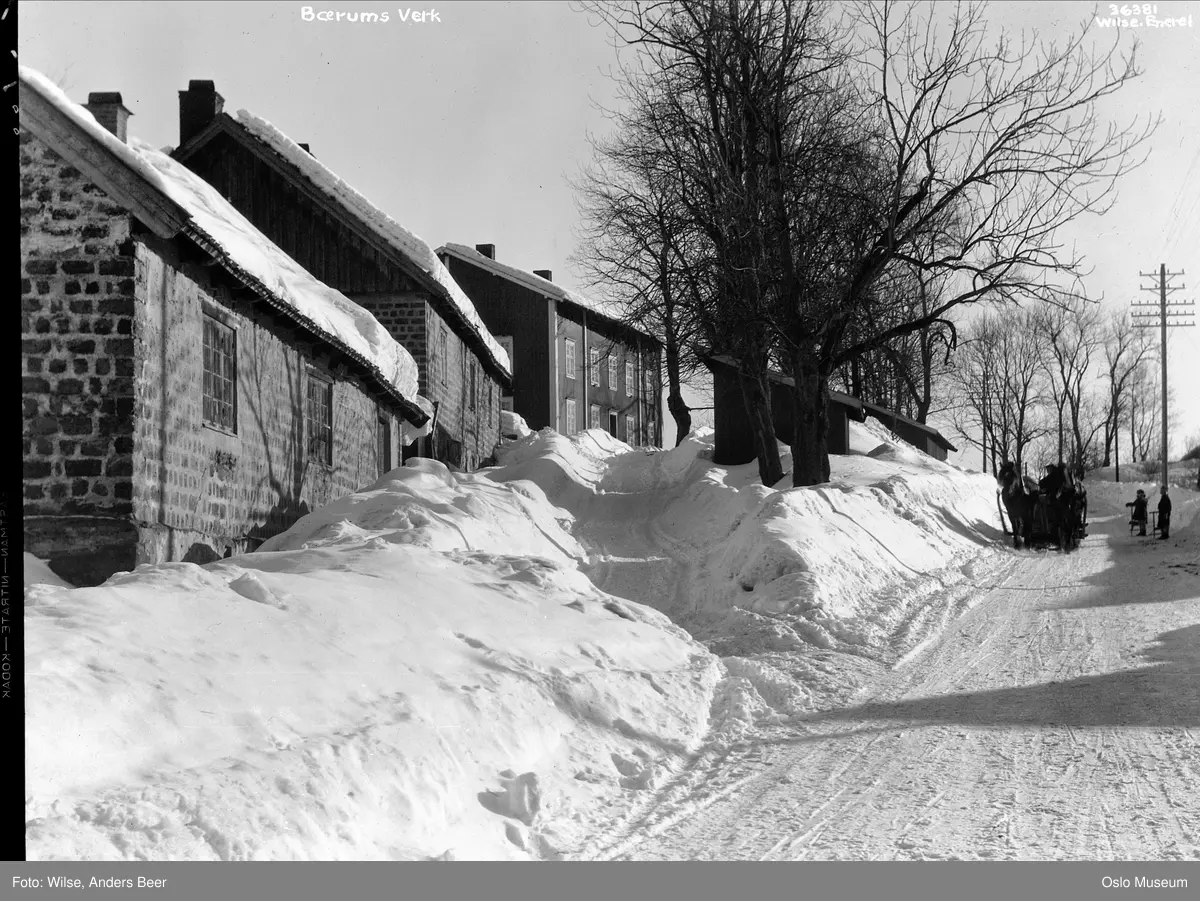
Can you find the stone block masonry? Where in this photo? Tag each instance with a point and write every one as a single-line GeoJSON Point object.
{"type": "Point", "coordinates": [119, 466]}
{"type": "Point", "coordinates": [77, 287]}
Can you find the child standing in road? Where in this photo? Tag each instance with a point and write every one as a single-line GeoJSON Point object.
{"type": "Point", "coordinates": [1139, 511]}
{"type": "Point", "coordinates": [1164, 513]}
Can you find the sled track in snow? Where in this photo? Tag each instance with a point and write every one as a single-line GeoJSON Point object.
{"type": "Point", "coordinates": [1052, 715]}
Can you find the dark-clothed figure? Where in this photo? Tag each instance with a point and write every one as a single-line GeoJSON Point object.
{"type": "Point", "coordinates": [1164, 513]}
{"type": "Point", "coordinates": [1139, 511]}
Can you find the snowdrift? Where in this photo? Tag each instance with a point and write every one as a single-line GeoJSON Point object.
{"type": "Point", "coordinates": [800, 591]}
{"type": "Point", "coordinates": [478, 666]}
{"type": "Point", "coordinates": [418, 670]}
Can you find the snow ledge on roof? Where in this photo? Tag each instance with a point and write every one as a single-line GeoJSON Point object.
{"type": "Point", "coordinates": [391, 231]}
{"type": "Point", "coordinates": [316, 303]}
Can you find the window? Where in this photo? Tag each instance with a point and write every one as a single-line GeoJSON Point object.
{"type": "Point", "coordinates": [630, 431]}
{"type": "Point", "coordinates": [594, 360]}
{"type": "Point", "coordinates": [474, 387]}
{"type": "Point", "coordinates": [612, 371]}
{"type": "Point", "coordinates": [443, 355]}
{"type": "Point", "coordinates": [220, 375]}
{"type": "Point", "coordinates": [385, 445]}
{"type": "Point", "coordinates": [569, 417]}
{"type": "Point", "coordinates": [570, 358]}
{"type": "Point", "coordinates": [630, 378]}
{"type": "Point", "coordinates": [594, 416]}
{"type": "Point", "coordinates": [648, 380]}
{"type": "Point", "coordinates": [612, 424]}
{"type": "Point", "coordinates": [320, 419]}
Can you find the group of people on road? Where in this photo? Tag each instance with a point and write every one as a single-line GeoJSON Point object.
{"type": "Point", "coordinates": [1139, 505]}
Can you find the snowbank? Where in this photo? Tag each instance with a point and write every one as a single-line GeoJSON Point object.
{"type": "Point", "coordinates": [246, 247]}
{"type": "Point", "coordinates": [413, 247]}
{"type": "Point", "coordinates": [415, 671]}
{"type": "Point", "coordinates": [38, 572]}
{"type": "Point", "coordinates": [869, 565]}
{"type": "Point", "coordinates": [432, 668]}
{"type": "Point", "coordinates": [513, 425]}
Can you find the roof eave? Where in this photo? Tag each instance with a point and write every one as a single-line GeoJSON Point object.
{"type": "Point", "coordinates": [122, 182]}
{"type": "Point", "coordinates": [407, 407]}
{"type": "Point", "coordinates": [226, 124]}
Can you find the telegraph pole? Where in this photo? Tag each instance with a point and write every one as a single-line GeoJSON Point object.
{"type": "Point", "coordinates": [1162, 321]}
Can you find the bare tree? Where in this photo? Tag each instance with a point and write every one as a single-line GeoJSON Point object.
{"type": "Point", "coordinates": [999, 387]}
{"type": "Point", "coordinates": [1126, 351]}
{"type": "Point", "coordinates": [638, 247]}
{"type": "Point", "coordinates": [992, 146]}
{"type": "Point", "coordinates": [815, 178]}
{"type": "Point", "coordinates": [1071, 336]}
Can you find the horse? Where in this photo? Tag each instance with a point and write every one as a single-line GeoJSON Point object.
{"type": "Point", "coordinates": [1066, 501]}
{"type": "Point", "coordinates": [1018, 502]}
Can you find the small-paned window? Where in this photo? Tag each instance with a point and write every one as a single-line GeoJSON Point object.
{"type": "Point", "coordinates": [630, 378]}
{"type": "Point", "coordinates": [320, 419]}
{"type": "Point", "coordinates": [384, 431]}
{"type": "Point", "coordinates": [220, 375]}
{"type": "Point", "coordinates": [594, 361]}
{"type": "Point", "coordinates": [569, 417]}
{"type": "Point", "coordinates": [570, 358]}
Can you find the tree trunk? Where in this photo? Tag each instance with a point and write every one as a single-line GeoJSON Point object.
{"type": "Point", "coordinates": [679, 410]}
{"type": "Point", "coordinates": [758, 409]}
{"type": "Point", "coordinates": [810, 406]}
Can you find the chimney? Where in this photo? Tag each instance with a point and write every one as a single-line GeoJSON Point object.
{"type": "Point", "coordinates": [199, 105]}
{"type": "Point", "coordinates": [304, 147]}
{"type": "Point", "coordinates": [109, 111]}
{"type": "Point", "coordinates": [488, 250]}
{"type": "Point", "coordinates": [544, 273]}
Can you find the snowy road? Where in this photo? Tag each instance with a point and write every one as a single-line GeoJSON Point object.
{"type": "Point", "coordinates": [1058, 717]}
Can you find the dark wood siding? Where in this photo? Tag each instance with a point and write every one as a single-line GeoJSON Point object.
{"type": "Point", "coordinates": [317, 241]}
{"type": "Point", "coordinates": [509, 309]}
{"type": "Point", "coordinates": [733, 440]}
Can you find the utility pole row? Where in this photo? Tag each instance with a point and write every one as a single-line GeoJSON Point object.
{"type": "Point", "coordinates": [1162, 320]}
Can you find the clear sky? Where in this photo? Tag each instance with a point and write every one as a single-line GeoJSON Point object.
{"type": "Point", "coordinates": [465, 127]}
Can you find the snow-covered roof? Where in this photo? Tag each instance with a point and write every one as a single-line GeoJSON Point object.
{"type": "Point", "coordinates": [536, 283]}
{"type": "Point", "coordinates": [223, 231]}
{"type": "Point", "coordinates": [392, 232]}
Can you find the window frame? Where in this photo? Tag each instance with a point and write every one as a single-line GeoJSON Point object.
{"type": "Point", "coordinates": [630, 377]}
{"type": "Point", "coordinates": [383, 437]}
{"type": "Point", "coordinates": [570, 418]}
{"type": "Point", "coordinates": [569, 357]}
{"type": "Point", "coordinates": [612, 370]}
{"type": "Point", "coordinates": [221, 325]}
{"type": "Point", "coordinates": [594, 366]}
{"type": "Point", "coordinates": [594, 416]}
{"type": "Point", "coordinates": [316, 377]}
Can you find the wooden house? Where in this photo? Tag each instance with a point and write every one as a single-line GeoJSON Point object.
{"type": "Point", "coordinates": [337, 234]}
{"type": "Point", "coordinates": [734, 443]}
{"type": "Point", "coordinates": [188, 390]}
{"type": "Point", "coordinates": [575, 366]}
{"type": "Point", "coordinates": [733, 440]}
{"type": "Point", "coordinates": [923, 437]}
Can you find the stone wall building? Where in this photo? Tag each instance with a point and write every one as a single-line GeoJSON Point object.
{"type": "Point", "coordinates": [350, 244]}
{"type": "Point", "coordinates": [188, 390]}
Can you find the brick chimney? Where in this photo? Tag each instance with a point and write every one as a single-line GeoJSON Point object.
{"type": "Point", "coordinates": [544, 273]}
{"type": "Point", "coordinates": [109, 111]}
{"type": "Point", "coordinates": [199, 105]}
{"type": "Point", "coordinates": [488, 250]}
